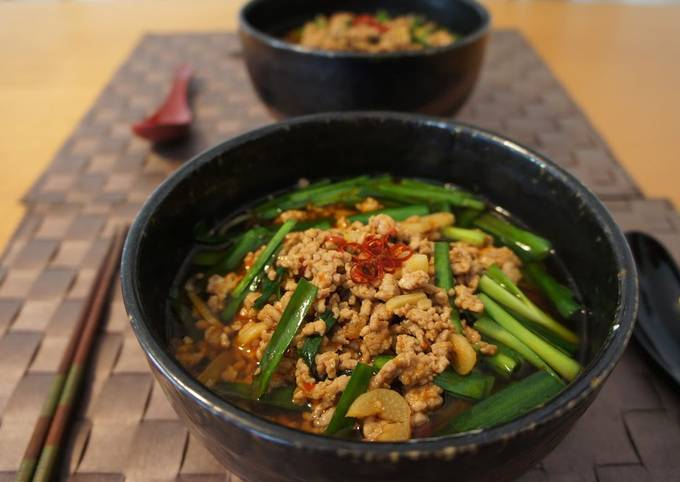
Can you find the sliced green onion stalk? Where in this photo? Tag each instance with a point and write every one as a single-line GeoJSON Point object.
{"type": "Point", "coordinates": [471, 236]}
{"type": "Point", "coordinates": [183, 315]}
{"type": "Point", "coordinates": [465, 217]}
{"type": "Point", "coordinates": [507, 404]}
{"type": "Point", "coordinates": [526, 244]}
{"type": "Point", "coordinates": [557, 341]}
{"type": "Point", "coordinates": [255, 271]}
{"type": "Point", "coordinates": [431, 194]}
{"type": "Point", "coordinates": [444, 279]}
{"type": "Point", "coordinates": [291, 319]}
{"type": "Point", "coordinates": [504, 363]}
{"type": "Point", "coordinates": [358, 384]}
{"type": "Point", "coordinates": [398, 214]}
{"type": "Point", "coordinates": [270, 288]}
{"type": "Point", "coordinates": [314, 223]}
{"type": "Point", "coordinates": [380, 361]}
{"type": "Point", "coordinates": [510, 296]}
{"type": "Point", "coordinates": [382, 15]}
{"type": "Point", "coordinates": [561, 363]}
{"type": "Point", "coordinates": [318, 195]}
{"type": "Point", "coordinates": [440, 208]}
{"type": "Point", "coordinates": [559, 295]}
{"type": "Point", "coordinates": [249, 241]}
{"type": "Point", "coordinates": [311, 345]}
{"type": "Point", "coordinates": [493, 330]}
{"type": "Point", "coordinates": [280, 397]}
{"type": "Point", "coordinates": [473, 386]}
{"type": "Point", "coordinates": [208, 258]}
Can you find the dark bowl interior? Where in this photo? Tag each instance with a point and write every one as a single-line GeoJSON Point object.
{"type": "Point", "coordinates": [292, 80]}
{"type": "Point", "coordinates": [549, 200]}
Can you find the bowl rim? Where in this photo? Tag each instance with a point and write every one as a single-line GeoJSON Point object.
{"type": "Point", "coordinates": [447, 446]}
{"type": "Point", "coordinates": [245, 25]}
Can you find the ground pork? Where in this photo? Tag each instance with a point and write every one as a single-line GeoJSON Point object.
{"type": "Point", "coordinates": [475, 340]}
{"type": "Point", "coordinates": [467, 300]}
{"type": "Point", "coordinates": [322, 395]}
{"type": "Point", "coordinates": [423, 399]}
{"type": "Point", "coordinates": [327, 364]}
{"type": "Point", "coordinates": [306, 254]}
{"type": "Point", "coordinates": [388, 288]}
{"type": "Point", "coordinates": [504, 258]}
{"type": "Point", "coordinates": [376, 336]}
{"type": "Point", "coordinates": [218, 288]}
{"type": "Point", "coordinates": [414, 280]}
{"type": "Point", "coordinates": [420, 334]}
{"type": "Point", "coordinates": [411, 369]}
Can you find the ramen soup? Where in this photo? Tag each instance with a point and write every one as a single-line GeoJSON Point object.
{"type": "Point", "coordinates": [381, 32]}
{"type": "Point", "coordinates": [376, 309]}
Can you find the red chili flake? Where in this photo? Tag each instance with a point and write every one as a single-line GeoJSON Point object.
{"type": "Point", "coordinates": [390, 265]}
{"type": "Point", "coordinates": [374, 245]}
{"type": "Point", "coordinates": [352, 248]}
{"type": "Point", "coordinates": [366, 19]}
{"type": "Point", "coordinates": [366, 272]}
{"type": "Point", "coordinates": [339, 241]}
{"type": "Point", "coordinates": [308, 386]}
{"type": "Point", "coordinates": [375, 257]}
{"type": "Point", "coordinates": [400, 252]}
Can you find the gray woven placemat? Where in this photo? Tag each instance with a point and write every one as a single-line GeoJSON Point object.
{"type": "Point", "coordinates": [126, 430]}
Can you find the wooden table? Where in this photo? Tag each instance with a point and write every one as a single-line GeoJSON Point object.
{"type": "Point", "coordinates": [618, 61]}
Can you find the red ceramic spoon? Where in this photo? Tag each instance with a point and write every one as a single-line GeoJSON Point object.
{"type": "Point", "coordinates": [172, 119]}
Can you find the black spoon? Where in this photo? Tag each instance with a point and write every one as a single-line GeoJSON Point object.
{"type": "Point", "coordinates": [658, 327]}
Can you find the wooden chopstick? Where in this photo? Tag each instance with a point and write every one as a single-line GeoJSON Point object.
{"type": "Point", "coordinates": [41, 453]}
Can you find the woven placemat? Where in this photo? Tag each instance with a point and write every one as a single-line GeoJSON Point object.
{"type": "Point", "coordinates": [125, 429]}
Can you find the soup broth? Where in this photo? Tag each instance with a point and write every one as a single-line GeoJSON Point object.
{"type": "Point", "coordinates": [378, 309]}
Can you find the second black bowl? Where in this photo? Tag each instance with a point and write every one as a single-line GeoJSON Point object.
{"type": "Point", "coordinates": [292, 80]}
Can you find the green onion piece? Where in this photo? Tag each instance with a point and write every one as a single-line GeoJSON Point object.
{"type": "Point", "coordinates": [410, 193]}
{"type": "Point", "coordinates": [255, 270]}
{"type": "Point", "coordinates": [474, 386]}
{"type": "Point", "coordinates": [249, 241]}
{"type": "Point", "coordinates": [470, 236]}
{"type": "Point", "coordinates": [281, 397]}
{"type": "Point", "coordinates": [557, 341]}
{"type": "Point", "coordinates": [507, 404]}
{"type": "Point", "coordinates": [524, 243]}
{"type": "Point", "coordinates": [499, 276]}
{"type": "Point", "coordinates": [326, 193]}
{"type": "Point", "coordinates": [561, 363]}
{"type": "Point", "coordinates": [183, 314]}
{"type": "Point", "coordinates": [560, 296]}
{"type": "Point", "coordinates": [380, 361]}
{"type": "Point", "coordinates": [322, 224]}
{"type": "Point", "coordinates": [291, 319]}
{"type": "Point", "coordinates": [465, 217]}
{"type": "Point", "coordinates": [382, 16]}
{"type": "Point", "coordinates": [496, 332]}
{"type": "Point", "coordinates": [398, 214]}
{"type": "Point", "coordinates": [358, 384]}
{"type": "Point", "coordinates": [270, 288]}
{"type": "Point", "coordinates": [277, 200]}
{"type": "Point", "coordinates": [440, 208]}
{"type": "Point", "coordinates": [444, 279]}
{"type": "Point", "coordinates": [510, 296]}
{"type": "Point", "coordinates": [503, 363]}
{"type": "Point", "coordinates": [311, 345]}
{"type": "Point", "coordinates": [208, 258]}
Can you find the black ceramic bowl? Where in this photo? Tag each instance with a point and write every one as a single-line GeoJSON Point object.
{"type": "Point", "coordinates": [292, 80]}
{"type": "Point", "coordinates": [549, 200]}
